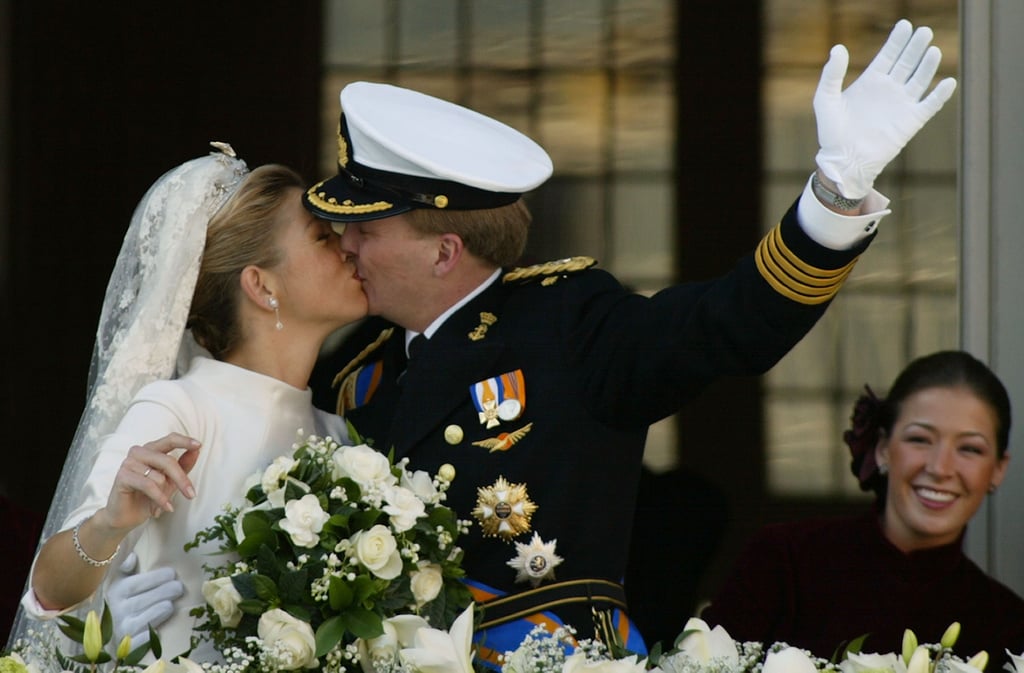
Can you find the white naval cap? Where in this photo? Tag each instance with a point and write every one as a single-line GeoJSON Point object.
{"type": "Point", "coordinates": [400, 149]}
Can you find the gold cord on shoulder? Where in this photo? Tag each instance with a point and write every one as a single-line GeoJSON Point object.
{"type": "Point", "coordinates": [559, 266]}
{"type": "Point", "coordinates": [357, 360]}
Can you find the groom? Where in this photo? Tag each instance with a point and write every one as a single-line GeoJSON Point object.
{"type": "Point", "coordinates": [538, 385]}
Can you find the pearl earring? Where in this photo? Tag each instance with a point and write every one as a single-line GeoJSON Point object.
{"type": "Point", "coordinates": [277, 311]}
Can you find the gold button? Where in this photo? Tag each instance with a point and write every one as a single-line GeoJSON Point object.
{"type": "Point", "coordinates": [441, 201]}
{"type": "Point", "coordinates": [453, 434]}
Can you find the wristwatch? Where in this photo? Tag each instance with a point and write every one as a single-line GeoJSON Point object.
{"type": "Point", "coordinates": [831, 198]}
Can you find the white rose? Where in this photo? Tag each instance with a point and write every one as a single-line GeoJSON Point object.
{"type": "Point", "coordinates": [224, 598]}
{"type": "Point", "coordinates": [858, 662]}
{"type": "Point", "coordinates": [304, 519]}
{"type": "Point", "coordinates": [403, 507]}
{"type": "Point", "coordinates": [378, 551]}
{"type": "Point", "coordinates": [289, 640]}
{"type": "Point", "coordinates": [274, 477]}
{"type": "Point", "coordinates": [789, 660]}
{"type": "Point", "coordinates": [705, 643]}
{"type": "Point", "coordinates": [426, 583]}
{"type": "Point", "coordinates": [382, 652]}
{"type": "Point", "coordinates": [363, 465]}
{"type": "Point", "coordinates": [579, 662]}
{"type": "Point", "coordinates": [420, 483]}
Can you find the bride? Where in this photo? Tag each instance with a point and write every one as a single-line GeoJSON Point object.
{"type": "Point", "coordinates": [223, 292]}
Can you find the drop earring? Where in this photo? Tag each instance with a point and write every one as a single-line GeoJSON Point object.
{"type": "Point", "coordinates": [277, 312]}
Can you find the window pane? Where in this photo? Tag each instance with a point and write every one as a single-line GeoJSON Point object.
{"type": "Point", "coordinates": [643, 121]}
{"type": "Point", "coordinates": [500, 34]}
{"type": "Point", "coordinates": [573, 121]}
{"type": "Point", "coordinates": [642, 244]}
{"type": "Point", "coordinates": [427, 34]}
{"type": "Point", "coordinates": [572, 34]}
{"type": "Point", "coordinates": [355, 33]}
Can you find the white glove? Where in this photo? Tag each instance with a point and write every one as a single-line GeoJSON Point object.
{"type": "Point", "coordinates": [140, 600]}
{"type": "Point", "coordinates": [862, 129]}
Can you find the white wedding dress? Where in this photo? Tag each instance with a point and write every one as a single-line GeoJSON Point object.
{"type": "Point", "coordinates": [244, 420]}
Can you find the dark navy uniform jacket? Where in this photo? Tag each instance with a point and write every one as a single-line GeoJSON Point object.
{"type": "Point", "coordinates": [599, 364]}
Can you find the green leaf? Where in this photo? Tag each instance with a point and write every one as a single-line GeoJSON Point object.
{"type": "Point", "coordinates": [363, 623]}
{"type": "Point", "coordinates": [252, 606]}
{"type": "Point", "coordinates": [328, 635]}
{"type": "Point", "coordinates": [244, 585]}
{"type": "Point", "coordinates": [339, 593]}
{"type": "Point", "coordinates": [154, 643]}
{"type": "Point", "coordinates": [106, 624]}
{"type": "Point", "coordinates": [136, 655]}
{"type": "Point", "coordinates": [258, 528]}
{"type": "Point", "coordinates": [265, 588]}
{"type": "Point", "coordinates": [364, 519]}
{"type": "Point", "coordinates": [72, 627]}
{"type": "Point", "coordinates": [292, 585]}
{"type": "Point", "coordinates": [363, 587]}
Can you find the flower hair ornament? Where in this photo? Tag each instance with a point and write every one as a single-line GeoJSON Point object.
{"type": "Point", "coordinates": [862, 438]}
{"type": "Point", "coordinates": [141, 336]}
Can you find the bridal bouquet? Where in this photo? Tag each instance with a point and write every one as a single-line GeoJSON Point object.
{"type": "Point", "coordinates": [332, 543]}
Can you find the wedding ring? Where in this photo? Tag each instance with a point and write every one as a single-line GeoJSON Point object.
{"type": "Point", "coordinates": [146, 473]}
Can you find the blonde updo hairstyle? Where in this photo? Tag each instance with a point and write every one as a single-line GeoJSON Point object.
{"type": "Point", "coordinates": [241, 233]}
{"type": "Point", "coordinates": [495, 235]}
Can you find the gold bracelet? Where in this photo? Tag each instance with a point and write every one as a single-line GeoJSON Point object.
{"type": "Point", "coordinates": [81, 552]}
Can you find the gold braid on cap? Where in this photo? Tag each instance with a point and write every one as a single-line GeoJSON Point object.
{"type": "Point", "coordinates": [548, 272]}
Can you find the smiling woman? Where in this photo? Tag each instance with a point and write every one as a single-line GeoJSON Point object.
{"type": "Point", "coordinates": [931, 451]}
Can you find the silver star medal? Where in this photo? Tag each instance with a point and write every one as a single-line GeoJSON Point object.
{"type": "Point", "coordinates": [535, 562]}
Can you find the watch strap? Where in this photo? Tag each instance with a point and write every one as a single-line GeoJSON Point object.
{"type": "Point", "coordinates": [832, 198]}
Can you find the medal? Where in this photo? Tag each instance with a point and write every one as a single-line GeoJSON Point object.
{"type": "Point", "coordinates": [535, 562]}
{"type": "Point", "coordinates": [504, 509]}
{"type": "Point", "coordinates": [499, 398]}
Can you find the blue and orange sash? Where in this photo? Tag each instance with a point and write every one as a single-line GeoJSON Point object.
{"type": "Point", "coordinates": [493, 639]}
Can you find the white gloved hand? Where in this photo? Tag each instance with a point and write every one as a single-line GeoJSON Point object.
{"type": "Point", "coordinates": [140, 600]}
{"type": "Point", "coordinates": [862, 129]}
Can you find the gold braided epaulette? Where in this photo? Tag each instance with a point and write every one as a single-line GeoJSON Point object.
{"type": "Point", "coordinates": [548, 272]}
{"type": "Point", "coordinates": [358, 360]}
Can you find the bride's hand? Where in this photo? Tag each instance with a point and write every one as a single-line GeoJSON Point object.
{"type": "Point", "coordinates": [148, 479]}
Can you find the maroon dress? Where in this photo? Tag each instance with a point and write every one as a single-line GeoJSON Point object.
{"type": "Point", "coordinates": [816, 584]}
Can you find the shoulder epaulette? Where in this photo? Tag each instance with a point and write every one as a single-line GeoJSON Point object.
{"type": "Point", "coordinates": [357, 360]}
{"type": "Point", "coordinates": [548, 272]}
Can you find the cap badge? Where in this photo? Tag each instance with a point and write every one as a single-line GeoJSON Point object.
{"type": "Point", "coordinates": [342, 148]}
{"type": "Point", "coordinates": [499, 397]}
{"type": "Point", "coordinates": [535, 562]}
{"type": "Point", "coordinates": [503, 509]}
{"type": "Point", "coordinates": [505, 440]}
{"type": "Point", "coordinates": [480, 331]}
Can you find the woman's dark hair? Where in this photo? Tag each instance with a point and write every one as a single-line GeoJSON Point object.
{"type": "Point", "coordinates": [944, 369]}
